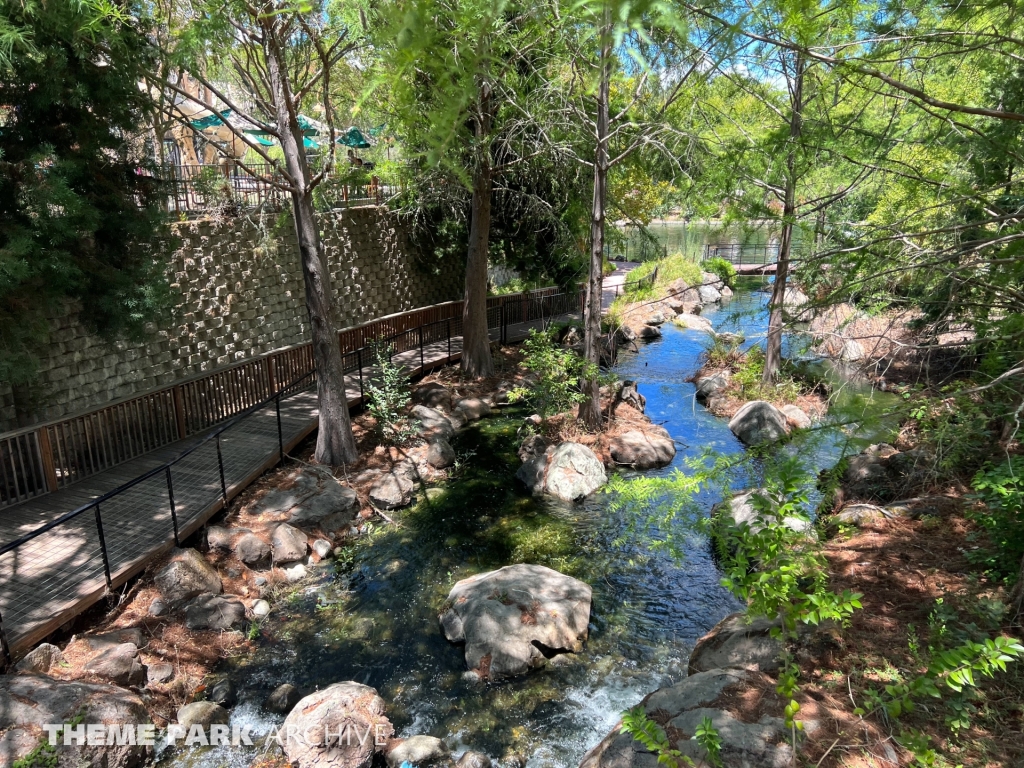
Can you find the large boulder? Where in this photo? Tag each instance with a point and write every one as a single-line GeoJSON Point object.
{"type": "Point", "coordinates": [759, 422]}
{"type": "Point", "coordinates": [642, 450]}
{"type": "Point", "coordinates": [440, 454]}
{"type": "Point", "coordinates": [693, 322]}
{"type": "Point", "coordinates": [709, 294]}
{"type": "Point", "coordinates": [649, 332]}
{"type": "Point", "coordinates": [625, 335]}
{"type": "Point", "coordinates": [573, 471]}
{"type": "Point", "coordinates": [433, 395]}
{"type": "Point", "coordinates": [29, 702]}
{"type": "Point", "coordinates": [220, 612]}
{"type": "Point", "coordinates": [288, 544]}
{"type": "Point", "coordinates": [341, 726]}
{"type": "Point", "coordinates": [712, 384]}
{"type": "Point", "coordinates": [202, 713]}
{"type": "Point", "coordinates": [307, 497]}
{"type": "Point", "coordinates": [120, 664]}
{"type": "Point", "coordinates": [187, 575]}
{"type": "Point", "coordinates": [41, 659]}
{"type": "Point", "coordinates": [252, 550]}
{"type": "Point", "coordinates": [473, 408]}
{"type": "Point", "coordinates": [417, 750]}
{"type": "Point", "coordinates": [393, 490]}
{"type": "Point", "coordinates": [794, 297]}
{"type": "Point", "coordinates": [737, 642]}
{"type": "Point", "coordinates": [748, 740]}
{"type": "Point", "coordinates": [513, 619]}
{"type": "Point", "coordinates": [432, 423]}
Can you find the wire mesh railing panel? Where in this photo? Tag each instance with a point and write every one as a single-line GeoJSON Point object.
{"type": "Point", "coordinates": [135, 521]}
{"type": "Point", "coordinates": [249, 443]}
{"type": "Point", "coordinates": [49, 573]}
{"type": "Point", "coordinates": [196, 482]}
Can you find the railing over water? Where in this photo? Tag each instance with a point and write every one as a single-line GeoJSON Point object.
{"type": "Point", "coordinates": [54, 455]}
{"type": "Point", "coordinates": [739, 254]}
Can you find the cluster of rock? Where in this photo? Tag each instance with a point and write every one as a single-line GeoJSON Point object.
{"type": "Point", "coordinates": [736, 655]}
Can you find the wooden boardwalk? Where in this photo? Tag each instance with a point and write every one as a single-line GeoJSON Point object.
{"type": "Point", "coordinates": [50, 579]}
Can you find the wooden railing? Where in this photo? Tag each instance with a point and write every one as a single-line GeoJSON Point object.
{"type": "Point", "coordinates": [53, 455]}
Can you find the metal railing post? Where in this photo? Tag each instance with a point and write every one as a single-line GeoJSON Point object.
{"type": "Point", "coordinates": [280, 433]}
{"type": "Point", "coordinates": [448, 333]}
{"type": "Point", "coordinates": [174, 513]}
{"type": "Point", "coordinates": [220, 465]}
{"type": "Point", "coordinates": [420, 329]}
{"type": "Point", "coordinates": [503, 323]}
{"type": "Point", "coordinates": [103, 548]}
{"type": "Point", "coordinates": [359, 362]}
{"type": "Point", "coordinates": [8, 660]}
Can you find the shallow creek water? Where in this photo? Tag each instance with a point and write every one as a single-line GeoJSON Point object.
{"type": "Point", "coordinates": [372, 618]}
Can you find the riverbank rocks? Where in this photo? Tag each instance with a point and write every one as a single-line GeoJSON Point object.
{"type": "Point", "coordinates": [738, 643]}
{"type": "Point", "coordinates": [433, 395]}
{"type": "Point", "coordinates": [342, 726]}
{"type": "Point", "coordinates": [473, 408]}
{"type": "Point", "coordinates": [473, 759]}
{"type": "Point", "coordinates": [796, 417]}
{"type": "Point", "coordinates": [29, 702]}
{"type": "Point", "coordinates": [759, 422]}
{"type": "Point", "coordinates": [253, 551]}
{"type": "Point", "coordinates": [852, 351]}
{"type": "Point", "coordinates": [440, 454]}
{"type": "Point", "coordinates": [794, 297]}
{"type": "Point", "coordinates": [746, 742]}
{"type": "Point", "coordinates": [187, 575]}
{"type": "Point", "coordinates": [41, 659]}
{"type": "Point", "coordinates": [416, 751]}
{"type": "Point", "coordinates": [433, 423]}
{"type": "Point", "coordinates": [532, 447]}
{"type": "Point", "coordinates": [570, 472]}
{"type": "Point", "coordinates": [393, 490]}
{"type": "Point", "coordinates": [119, 664]}
{"type": "Point", "coordinates": [308, 497]}
{"type": "Point", "coordinates": [649, 332]}
{"type": "Point", "coordinates": [220, 612]}
{"type": "Point", "coordinates": [655, 319]}
{"type": "Point", "coordinates": [711, 384]}
{"type": "Point", "coordinates": [709, 294]}
{"type": "Point", "coordinates": [513, 619]}
{"type": "Point", "coordinates": [643, 450]}
{"type": "Point", "coordinates": [624, 335]}
{"type": "Point", "coordinates": [693, 322]}
{"type": "Point", "coordinates": [881, 473]}
{"type": "Point", "coordinates": [288, 544]}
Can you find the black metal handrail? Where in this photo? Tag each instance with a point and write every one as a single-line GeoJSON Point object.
{"type": "Point", "coordinates": [738, 253]}
{"type": "Point", "coordinates": [527, 309]}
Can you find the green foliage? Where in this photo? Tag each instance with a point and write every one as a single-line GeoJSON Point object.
{"type": "Point", "coordinates": [1001, 488]}
{"type": "Point", "coordinates": [78, 201]}
{"type": "Point", "coordinates": [724, 269]}
{"type": "Point", "coordinates": [637, 724]}
{"type": "Point", "coordinates": [45, 755]}
{"type": "Point", "coordinates": [388, 396]}
{"type": "Point", "coordinates": [558, 373]}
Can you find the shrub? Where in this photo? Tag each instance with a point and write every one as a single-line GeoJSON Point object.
{"type": "Point", "coordinates": [725, 271]}
{"type": "Point", "coordinates": [559, 373]}
{"type": "Point", "coordinates": [388, 396]}
{"type": "Point", "coordinates": [1001, 488]}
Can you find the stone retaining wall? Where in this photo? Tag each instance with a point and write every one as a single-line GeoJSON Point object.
{"type": "Point", "coordinates": [241, 294]}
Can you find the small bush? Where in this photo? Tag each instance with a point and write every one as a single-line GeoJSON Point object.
{"type": "Point", "coordinates": [559, 373]}
{"type": "Point", "coordinates": [387, 397]}
{"type": "Point", "coordinates": [1001, 488]}
{"type": "Point", "coordinates": [725, 271]}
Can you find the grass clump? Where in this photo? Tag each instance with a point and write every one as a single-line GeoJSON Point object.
{"type": "Point", "coordinates": [725, 271]}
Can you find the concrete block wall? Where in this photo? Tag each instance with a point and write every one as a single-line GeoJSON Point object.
{"type": "Point", "coordinates": [241, 294]}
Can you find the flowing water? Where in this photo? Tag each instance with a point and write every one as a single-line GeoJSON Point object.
{"type": "Point", "coordinates": [372, 618]}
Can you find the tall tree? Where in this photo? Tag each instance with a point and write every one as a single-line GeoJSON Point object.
{"type": "Point", "coordinates": [282, 57]}
{"type": "Point", "coordinates": [78, 206]}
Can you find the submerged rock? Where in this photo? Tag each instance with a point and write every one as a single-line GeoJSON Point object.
{"type": "Point", "coordinates": [649, 332]}
{"type": "Point", "coordinates": [283, 699]}
{"type": "Point", "coordinates": [746, 743]}
{"type": "Point", "coordinates": [693, 322]}
{"type": "Point", "coordinates": [759, 422]}
{"type": "Point", "coordinates": [512, 619]}
{"type": "Point", "coordinates": [641, 450]}
{"type": "Point", "coordinates": [29, 702]}
{"type": "Point", "coordinates": [471, 759]}
{"type": "Point", "coordinates": [203, 713]}
{"type": "Point", "coordinates": [342, 726]}
{"type": "Point", "coordinates": [416, 751]}
{"type": "Point", "coordinates": [187, 575]}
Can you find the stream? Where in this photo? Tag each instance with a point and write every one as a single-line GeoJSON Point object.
{"type": "Point", "coordinates": [372, 617]}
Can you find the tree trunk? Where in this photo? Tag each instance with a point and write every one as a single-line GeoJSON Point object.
{"type": "Point", "coordinates": [335, 443]}
{"type": "Point", "coordinates": [773, 350]}
{"type": "Point", "coordinates": [590, 408]}
{"type": "Point", "coordinates": [476, 344]}
{"type": "Point", "coordinates": [1016, 599]}
{"type": "Point", "coordinates": [476, 359]}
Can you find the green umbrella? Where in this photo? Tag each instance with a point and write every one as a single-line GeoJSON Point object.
{"type": "Point", "coordinates": [354, 138]}
{"type": "Point", "coordinates": [209, 121]}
